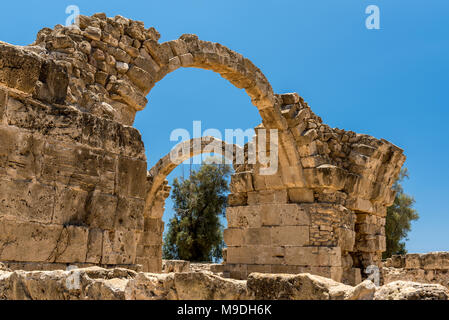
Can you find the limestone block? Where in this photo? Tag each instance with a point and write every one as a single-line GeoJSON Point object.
{"type": "Point", "coordinates": [151, 238]}
{"type": "Point", "coordinates": [435, 261]}
{"type": "Point", "coordinates": [371, 243]}
{"type": "Point", "coordinates": [300, 195]}
{"type": "Point", "coordinates": [294, 215]}
{"type": "Point", "coordinates": [129, 214]}
{"type": "Point", "coordinates": [131, 180]}
{"type": "Point", "coordinates": [54, 80]}
{"type": "Point", "coordinates": [70, 206]}
{"type": "Point", "coordinates": [71, 246]}
{"type": "Point", "coordinates": [259, 268]}
{"type": "Point", "coordinates": [255, 254]}
{"type": "Point", "coordinates": [295, 287]}
{"type": "Point", "coordinates": [26, 201]}
{"type": "Point", "coordinates": [169, 266]}
{"type": "Point", "coordinates": [326, 176]}
{"type": "Point", "coordinates": [146, 62]}
{"type": "Point", "coordinates": [101, 210]}
{"type": "Point", "coordinates": [204, 286]}
{"type": "Point", "coordinates": [92, 33]}
{"type": "Point", "coordinates": [397, 261]}
{"type": "Point", "coordinates": [19, 68]}
{"type": "Point", "coordinates": [246, 217]}
{"type": "Point", "coordinates": [240, 255]}
{"type": "Point", "coordinates": [3, 104]}
{"type": "Point", "coordinates": [127, 93]}
{"type": "Point", "coordinates": [241, 182]}
{"type": "Point", "coordinates": [412, 261]}
{"type": "Point", "coordinates": [119, 247]}
{"type": "Point", "coordinates": [290, 98]}
{"type": "Point", "coordinates": [361, 205]}
{"type": "Point", "coordinates": [76, 166]}
{"type": "Point", "coordinates": [247, 236]}
{"type": "Point", "coordinates": [313, 256]}
{"type": "Point", "coordinates": [140, 78]}
{"type": "Point", "coordinates": [308, 150]}
{"type": "Point", "coordinates": [352, 276]}
{"type": "Point", "coordinates": [346, 239]}
{"type": "Point", "coordinates": [313, 161]}
{"type": "Point", "coordinates": [19, 153]}
{"type": "Point", "coordinates": [258, 236]}
{"type": "Point", "coordinates": [237, 199]}
{"type": "Point", "coordinates": [234, 237]}
{"type": "Point", "coordinates": [178, 47]}
{"type": "Point", "coordinates": [153, 252]}
{"type": "Point", "coordinates": [94, 246]}
{"type": "Point", "coordinates": [187, 60]}
{"type": "Point", "coordinates": [161, 53]}
{"type": "Point", "coordinates": [154, 225]}
{"type": "Point", "coordinates": [290, 236]}
{"type": "Point", "coordinates": [35, 242]}
{"type": "Point", "coordinates": [267, 197]}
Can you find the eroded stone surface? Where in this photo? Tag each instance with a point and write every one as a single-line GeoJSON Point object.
{"type": "Point", "coordinates": [405, 290]}
{"type": "Point", "coordinates": [431, 267]}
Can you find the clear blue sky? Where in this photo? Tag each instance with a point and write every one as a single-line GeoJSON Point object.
{"type": "Point", "coordinates": [391, 83]}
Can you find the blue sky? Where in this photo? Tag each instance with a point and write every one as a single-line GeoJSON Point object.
{"type": "Point", "coordinates": [391, 83]}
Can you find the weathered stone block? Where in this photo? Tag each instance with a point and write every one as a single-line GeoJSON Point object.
{"type": "Point", "coordinates": [267, 197]}
{"type": "Point", "coordinates": [313, 256]}
{"type": "Point", "coordinates": [247, 217]}
{"type": "Point", "coordinates": [3, 103]}
{"type": "Point", "coordinates": [119, 247]}
{"type": "Point", "coordinates": [70, 206]}
{"type": "Point", "coordinates": [71, 246]}
{"type": "Point", "coordinates": [131, 178]}
{"type": "Point", "coordinates": [239, 199]}
{"type": "Point", "coordinates": [94, 246]}
{"type": "Point", "coordinates": [26, 201]}
{"type": "Point", "coordinates": [19, 154]}
{"type": "Point", "coordinates": [35, 242]}
{"type": "Point", "coordinates": [129, 214]}
{"type": "Point", "coordinates": [19, 68]}
{"type": "Point", "coordinates": [290, 236]}
{"type": "Point", "coordinates": [412, 261]}
{"type": "Point", "coordinates": [241, 183]}
{"type": "Point", "coordinates": [258, 236]}
{"type": "Point", "coordinates": [326, 176]}
{"type": "Point", "coordinates": [234, 236]}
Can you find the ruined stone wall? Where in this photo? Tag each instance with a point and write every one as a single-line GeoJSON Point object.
{"type": "Point", "coordinates": [69, 185]}
{"type": "Point", "coordinates": [431, 267]}
{"type": "Point", "coordinates": [75, 186]}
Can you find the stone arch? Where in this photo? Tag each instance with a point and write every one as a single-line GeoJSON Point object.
{"type": "Point", "coordinates": [158, 174]}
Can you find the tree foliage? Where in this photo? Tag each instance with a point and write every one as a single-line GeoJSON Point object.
{"type": "Point", "coordinates": [195, 232]}
{"type": "Point", "coordinates": [399, 218]}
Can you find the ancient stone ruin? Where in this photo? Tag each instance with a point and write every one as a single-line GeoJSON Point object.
{"type": "Point", "coordinates": [75, 187]}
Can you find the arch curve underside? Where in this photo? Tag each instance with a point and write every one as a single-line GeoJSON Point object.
{"type": "Point", "coordinates": [323, 211]}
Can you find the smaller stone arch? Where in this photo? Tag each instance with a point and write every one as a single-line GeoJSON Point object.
{"type": "Point", "coordinates": [149, 252]}
{"type": "Point", "coordinates": [182, 152]}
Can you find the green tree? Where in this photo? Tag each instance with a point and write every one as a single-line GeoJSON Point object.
{"type": "Point", "coordinates": [399, 218]}
{"type": "Point", "coordinates": [195, 232]}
